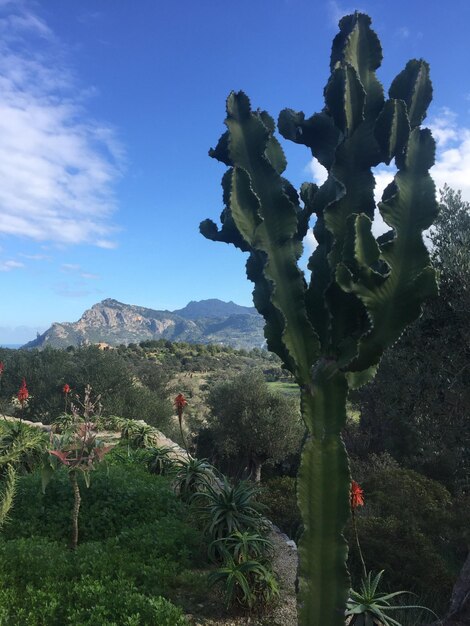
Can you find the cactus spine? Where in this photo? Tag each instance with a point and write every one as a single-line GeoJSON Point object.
{"type": "Point", "coordinates": [331, 332]}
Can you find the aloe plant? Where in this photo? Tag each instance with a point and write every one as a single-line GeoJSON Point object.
{"type": "Point", "coordinates": [363, 291]}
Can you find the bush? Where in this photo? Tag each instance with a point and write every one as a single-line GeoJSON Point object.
{"type": "Point", "coordinates": [409, 558]}
{"type": "Point", "coordinates": [137, 546]}
{"type": "Point", "coordinates": [280, 498]}
{"type": "Point", "coordinates": [87, 602]}
{"type": "Point", "coordinates": [119, 498]}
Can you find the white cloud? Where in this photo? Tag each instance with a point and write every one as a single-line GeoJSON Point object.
{"type": "Point", "coordinates": [74, 268]}
{"type": "Point", "coordinates": [453, 153]}
{"type": "Point", "coordinates": [317, 171]}
{"type": "Point", "coordinates": [7, 266]}
{"type": "Point", "coordinates": [403, 32]}
{"type": "Point", "coordinates": [58, 166]}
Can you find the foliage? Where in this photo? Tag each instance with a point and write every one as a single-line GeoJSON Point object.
{"type": "Point", "coordinates": [21, 450]}
{"type": "Point", "coordinates": [79, 450]}
{"type": "Point", "coordinates": [417, 408]}
{"type": "Point", "coordinates": [193, 476]}
{"type": "Point", "coordinates": [120, 497]}
{"type": "Point", "coordinates": [279, 497]}
{"type": "Point", "coordinates": [364, 291]}
{"type": "Point", "coordinates": [251, 425]}
{"type": "Point", "coordinates": [160, 460]}
{"type": "Point", "coordinates": [247, 583]}
{"type": "Point", "coordinates": [137, 544]}
{"type": "Point", "coordinates": [110, 373]}
{"type": "Point", "coordinates": [369, 606]}
{"type": "Point", "coordinates": [138, 434]}
{"type": "Point", "coordinates": [241, 546]}
{"type": "Point", "coordinates": [226, 509]}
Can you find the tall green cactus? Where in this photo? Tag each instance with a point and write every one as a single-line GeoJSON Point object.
{"type": "Point", "coordinates": [332, 332]}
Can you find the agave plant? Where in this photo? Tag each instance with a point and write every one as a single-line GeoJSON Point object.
{"type": "Point", "coordinates": [22, 449]}
{"type": "Point", "coordinates": [228, 509]}
{"type": "Point", "coordinates": [194, 476]}
{"type": "Point", "coordinates": [160, 460]}
{"type": "Point", "coordinates": [138, 434]}
{"type": "Point", "coordinates": [369, 607]}
{"type": "Point", "coordinates": [248, 583]}
{"type": "Point", "coordinates": [241, 546]}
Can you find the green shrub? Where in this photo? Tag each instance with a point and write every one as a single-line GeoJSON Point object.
{"type": "Point", "coordinates": [118, 498]}
{"type": "Point", "coordinates": [280, 498]}
{"type": "Point", "coordinates": [87, 602]}
{"type": "Point", "coordinates": [409, 558]}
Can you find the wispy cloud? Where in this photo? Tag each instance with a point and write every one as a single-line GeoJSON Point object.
{"type": "Point", "coordinates": [7, 266]}
{"type": "Point", "coordinates": [75, 289]}
{"type": "Point", "coordinates": [403, 32]}
{"type": "Point", "coordinates": [58, 166]}
{"type": "Point", "coordinates": [77, 269]}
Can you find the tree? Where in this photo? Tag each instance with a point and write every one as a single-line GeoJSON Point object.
{"type": "Point", "coordinates": [251, 425]}
{"type": "Point", "coordinates": [418, 406]}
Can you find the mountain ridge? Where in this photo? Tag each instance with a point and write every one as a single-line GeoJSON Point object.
{"type": "Point", "coordinates": [112, 322]}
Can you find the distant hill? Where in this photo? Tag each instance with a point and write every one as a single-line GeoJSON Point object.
{"type": "Point", "coordinates": [114, 323]}
{"type": "Point", "coordinates": [196, 310]}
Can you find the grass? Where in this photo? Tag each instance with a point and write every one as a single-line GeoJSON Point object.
{"type": "Point", "coordinates": [288, 389]}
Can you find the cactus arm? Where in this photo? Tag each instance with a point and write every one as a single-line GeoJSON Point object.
{"type": "Point", "coordinates": [323, 488]}
{"type": "Point", "coordinates": [393, 301]}
{"type": "Point", "coordinates": [264, 214]}
{"type": "Point", "coordinates": [414, 87]}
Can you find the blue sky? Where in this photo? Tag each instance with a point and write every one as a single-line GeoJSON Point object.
{"type": "Point", "coordinates": [108, 109]}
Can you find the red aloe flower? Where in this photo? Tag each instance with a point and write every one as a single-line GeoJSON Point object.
{"type": "Point", "coordinates": [23, 393]}
{"type": "Point", "coordinates": [66, 389]}
{"type": "Point", "coordinates": [2, 367]}
{"type": "Point", "coordinates": [356, 496]}
{"type": "Point", "coordinates": [180, 402]}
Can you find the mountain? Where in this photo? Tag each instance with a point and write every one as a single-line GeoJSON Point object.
{"type": "Point", "coordinates": [114, 323]}
{"type": "Point", "coordinates": [213, 308]}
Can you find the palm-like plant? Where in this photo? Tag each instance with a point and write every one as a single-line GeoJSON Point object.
{"type": "Point", "coordinates": [370, 607]}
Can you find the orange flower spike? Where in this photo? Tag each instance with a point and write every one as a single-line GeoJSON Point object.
{"type": "Point", "coordinates": [180, 402]}
{"type": "Point", "coordinates": [66, 389]}
{"type": "Point", "coordinates": [356, 496]}
{"type": "Point", "coordinates": [23, 393]}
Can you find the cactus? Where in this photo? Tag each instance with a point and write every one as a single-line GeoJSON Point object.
{"type": "Point", "coordinates": [332, 332]}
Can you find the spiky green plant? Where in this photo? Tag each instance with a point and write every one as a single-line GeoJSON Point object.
{"type": "Point", "coordinates": [22, 449]}
{"type": "Point", "coordinates": [363, 291]}
{"type": "Point", "coordinates": [369, 607]}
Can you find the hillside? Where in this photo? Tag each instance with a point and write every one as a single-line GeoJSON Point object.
{"type": "Point", "coordinates": [115, 323]}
